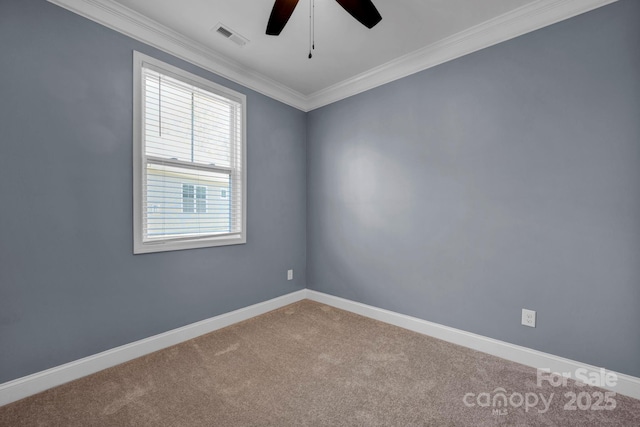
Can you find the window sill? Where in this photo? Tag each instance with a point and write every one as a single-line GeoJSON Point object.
{"type": "Point", "coordinates": [178, 245]}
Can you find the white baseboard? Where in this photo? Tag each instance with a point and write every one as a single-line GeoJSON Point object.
{"type": "Point", "coordinates": [32, 384]}
{"type": "Point", "coordinates": [626, 385]}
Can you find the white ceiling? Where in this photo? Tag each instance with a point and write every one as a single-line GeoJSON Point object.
{"type": "Point", "coordinates": [413, 35]}
{"type": "Point", "coordinates": [344, 47]}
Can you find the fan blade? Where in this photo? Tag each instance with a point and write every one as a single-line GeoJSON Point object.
{"type": "Point", "coordinates": [363, 10]}
{"type": "Point", "coordinates": [280, 14]}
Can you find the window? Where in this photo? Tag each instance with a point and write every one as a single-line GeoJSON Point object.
{"type": "Point", "coordinates": [194, 198]}
{"type": "Point", "coordinates": [189, 147]}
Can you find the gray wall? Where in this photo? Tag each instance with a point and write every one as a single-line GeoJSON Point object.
{"type": "Point", "coordinates": [70, 285]}
{"type": "Point", "coordinates": [504, 179]}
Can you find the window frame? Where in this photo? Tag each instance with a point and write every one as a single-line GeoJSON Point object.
{"type": "Point", "coordinates": [141, 246]}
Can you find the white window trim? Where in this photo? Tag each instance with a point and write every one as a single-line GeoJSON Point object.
{"type": "Point", "coordinates": [139, 245]}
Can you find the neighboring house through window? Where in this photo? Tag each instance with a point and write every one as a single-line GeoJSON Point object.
{"type": "Point", "coordinates": [189, 144]}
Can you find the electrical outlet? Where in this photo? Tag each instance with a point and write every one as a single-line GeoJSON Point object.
{"type": "Point", "coordinates": [290, 275]}
{"type": "Point", "coordinates": [528, 318]}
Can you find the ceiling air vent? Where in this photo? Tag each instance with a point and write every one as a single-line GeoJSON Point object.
{"type": "Point", "coordinates": [224, 32]}
{"type": "Point", "coordinates": [228, 33]}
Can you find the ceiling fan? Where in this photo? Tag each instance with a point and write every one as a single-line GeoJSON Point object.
{"type": "Point", "coordinates": [363, 10]}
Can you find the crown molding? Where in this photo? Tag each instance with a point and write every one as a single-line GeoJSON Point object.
{"type": "Point", "coordinates": [512, 24]}
{"type": "Point", "coordinates": [137, 26]}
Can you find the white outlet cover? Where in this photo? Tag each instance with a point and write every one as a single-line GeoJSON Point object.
{"type": "Point", "coordinates": [529, 318]}
{"type": "Point", "coordinates": [290, 275]}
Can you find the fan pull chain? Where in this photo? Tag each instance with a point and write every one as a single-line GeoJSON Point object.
{"type": "Point", "coordinates": [312, 27]}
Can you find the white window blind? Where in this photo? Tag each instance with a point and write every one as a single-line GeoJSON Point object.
{"type": "Point", "coordinates": [191, 151]}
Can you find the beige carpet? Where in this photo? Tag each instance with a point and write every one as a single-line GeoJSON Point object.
{"type": "Point", "coordinates": [308, 364]}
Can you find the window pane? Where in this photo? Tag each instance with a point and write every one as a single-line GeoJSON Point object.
{"type": "Point", "coordinates": [185, 123]}
{"type": "Point", "coordinates": [168, 119]}
{"type": "Point", "coordinates": [201, 199]}
{"type": "Point", "coordinates": [212, 131]}
{"type": "Point", "coordinates": [177, 204]}
{"type": "Point", "coordinates": [187, 198]}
